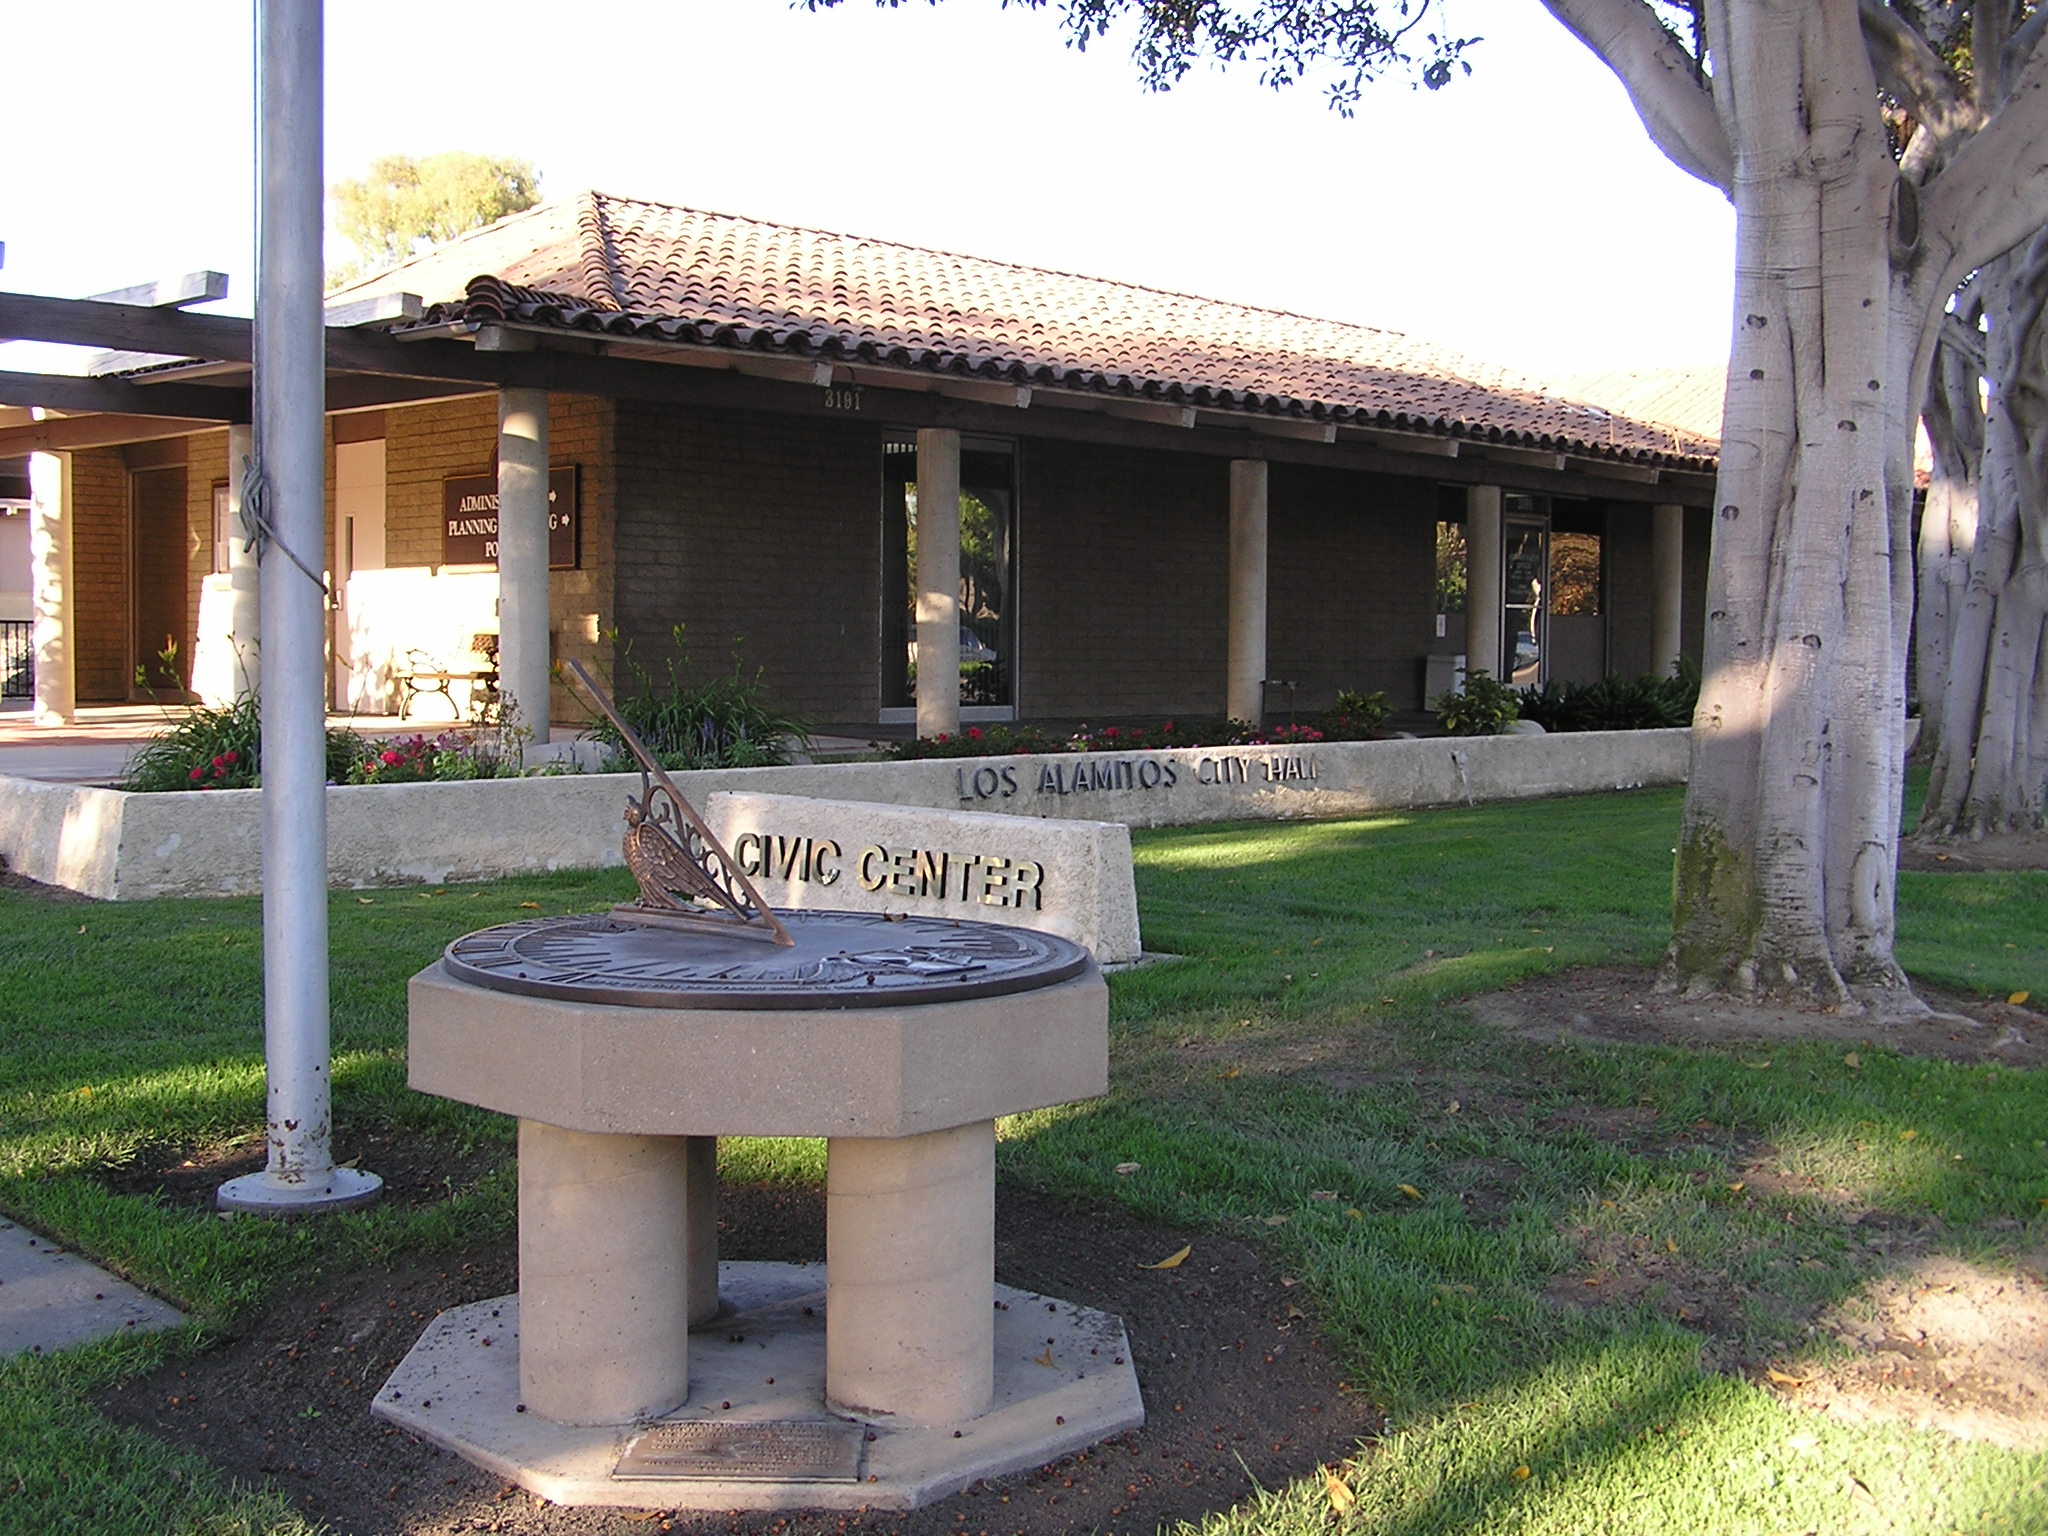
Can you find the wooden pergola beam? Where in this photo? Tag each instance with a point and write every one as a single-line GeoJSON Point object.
{"type": "Point", "coordinates": [68, 392]}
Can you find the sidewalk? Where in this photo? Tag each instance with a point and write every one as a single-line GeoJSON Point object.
{"type": "Point", "coordinates": [51, 1299]}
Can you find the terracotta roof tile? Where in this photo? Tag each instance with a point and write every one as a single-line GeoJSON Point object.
{"type": "Point", "coordinates": [615, 266]}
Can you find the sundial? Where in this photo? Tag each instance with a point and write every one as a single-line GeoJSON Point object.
{"type": "Point", "coordinates": [695, 938]}
{"type": "Point", "coordinates": [833, 960]}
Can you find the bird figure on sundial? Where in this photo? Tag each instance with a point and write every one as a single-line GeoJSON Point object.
{"type": "Point", "coordinates": [686, 877]}
{"type": "Point", "coordinates": [663, 866]}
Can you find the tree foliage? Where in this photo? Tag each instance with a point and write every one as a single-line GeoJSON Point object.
{"type": "Point", "coordinates": [405, 204]}
{"type": "Point", "coordinates": [1348, 44]}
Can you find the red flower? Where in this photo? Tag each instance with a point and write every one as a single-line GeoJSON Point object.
{"type": "Point", "coordinates": [229, 757]}
{"type": "Point", "coordinates": [974, 733]}
{"type": "Point", "coordinates": [390, 757]}
{"type": "Point", "coordinates": [197, 774]}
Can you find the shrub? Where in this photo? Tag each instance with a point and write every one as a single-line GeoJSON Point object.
{"type": "Point", "coordinates": [1356, 716]}
{"type": "Point", "coordinates": [1486, 707]}
{"type": "Point", "coordinates": [1615, 703]}
{"type": "Point", "coordinates": [220, 747]}
{"type": "Point", "coordinates": [725, 723]}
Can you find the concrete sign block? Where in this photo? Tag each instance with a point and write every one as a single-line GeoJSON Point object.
{"type": "Point", "coordinates": [1072, 878]}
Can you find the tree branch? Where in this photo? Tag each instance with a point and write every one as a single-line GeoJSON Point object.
{"type": "Point", "coordinates": [1674, 103]}
{"type": "Point", "coordinates": [1910, 70]}
{"type": "Point", "coordinates": [1994, 193]}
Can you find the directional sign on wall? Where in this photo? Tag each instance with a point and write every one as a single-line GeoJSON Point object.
{"type": "Point", "coordinates": [469, 519]}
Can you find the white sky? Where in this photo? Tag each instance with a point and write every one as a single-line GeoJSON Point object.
{"type": "Point", "coordinates": [1520, 215]}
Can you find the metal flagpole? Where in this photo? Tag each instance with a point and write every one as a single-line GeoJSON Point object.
{"type": "Point", "coordinates": [289, 488]}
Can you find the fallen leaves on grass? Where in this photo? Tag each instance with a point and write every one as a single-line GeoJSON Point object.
{"type": "Point", "coordinates": [1341, 1497]}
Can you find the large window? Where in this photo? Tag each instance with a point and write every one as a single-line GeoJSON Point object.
{"type": "Point", "coordinates": [988, 562]}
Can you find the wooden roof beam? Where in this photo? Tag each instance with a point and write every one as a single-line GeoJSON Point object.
{"type": "Point", "coordinates": [68, 392]}
{"type": "Point", "coordinates": [1535, 458]}
{"type": "Point", "coordinates": [170, 292]}
{"type": "Point", "coordinates": [1401, 442]}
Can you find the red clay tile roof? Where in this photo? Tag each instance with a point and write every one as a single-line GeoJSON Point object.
{"type": "Point", "coordinates": [617, 267]}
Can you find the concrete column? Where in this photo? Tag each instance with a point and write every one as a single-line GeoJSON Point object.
{"type": "Point", "coordinates": [1667, 587]}
{"type": "Point", "coordinates": [1483, 575]}
{"type": "Point", "coordinates": [244, 605]}
{"type": "Point", "coordinates": [523, 556]}
{"type": "Point", "coordinates": [938, 581]}
{"type": "Point", "coordinates": [702, 1227]}
{"type": "Point", "coordinates": [1245, 691]}
{"type": "Point", "coordinates": [604, 1333]}
{"type": "Point", "coordinates": [910, 1275]}
{"type": "Point", "coordinates": [55, 611]}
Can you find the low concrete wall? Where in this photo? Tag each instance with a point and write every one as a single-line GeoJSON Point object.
{"type": "Point", "coordinates": [1072, 878]}
{"type": "Point", "coordinates": [124, 847]}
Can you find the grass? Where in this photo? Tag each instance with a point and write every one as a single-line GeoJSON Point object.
{"type": "Point", "coordinates": [1310, 1044]}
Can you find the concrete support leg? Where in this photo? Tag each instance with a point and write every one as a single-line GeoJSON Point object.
{"type": "Point", "coordinates": [910, 1275]}
{"type": "Point", "coordinates": [55, 609]}
{"type": "Point", "coordinates": [938, 581]}
{"type": "Point", "coordinates": [244, 605]}
{"type": "Point", "coordinates": [1667, 587]}
{"type": "Point", "coordinates": [604, 1249]}
{"type": "Point", "coordinates": [523, 556]}
{"type": "Point", "coordinates": [702, 1153]}
{"type": "Point", "coordinates": [1245, 693]}
{"type": "Point", "coordinates": [1483, 590]}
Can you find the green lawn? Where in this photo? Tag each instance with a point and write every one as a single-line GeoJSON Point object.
{"type": "Point", "coordinates": [1310, 1042]}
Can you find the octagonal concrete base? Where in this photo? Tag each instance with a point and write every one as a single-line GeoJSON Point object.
{"type": "Point", "coordinates": [459, 1388]}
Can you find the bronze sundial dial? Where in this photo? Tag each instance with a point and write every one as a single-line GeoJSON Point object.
{"type": "Point", "coordinates": [834, 960]}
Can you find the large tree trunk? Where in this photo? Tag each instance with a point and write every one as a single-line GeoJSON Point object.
{"type": "Point", "coordinates": [1954, 417]}
{"type": "Point", "coordinates": [1787, 855]}
{"type": "Point", "coordinates": [1990, 752]}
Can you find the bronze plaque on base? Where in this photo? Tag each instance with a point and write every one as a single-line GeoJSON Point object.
{"type": "Point", "coordinates": [777, 1451]}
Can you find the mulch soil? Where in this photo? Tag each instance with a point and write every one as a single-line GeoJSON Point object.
{"type": "Point", "coordinates": [1239, 1391]}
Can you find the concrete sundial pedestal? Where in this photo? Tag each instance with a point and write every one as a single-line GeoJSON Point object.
{"type": "Point", "coordinates": [895, 1373]}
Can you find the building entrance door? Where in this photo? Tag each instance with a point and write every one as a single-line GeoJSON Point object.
{"type": "Point", "coordinates": [1525, 590]}
{"type": "Point", "coordinates": [159, 548]}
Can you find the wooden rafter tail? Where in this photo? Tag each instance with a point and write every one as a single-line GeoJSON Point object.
{"type": "Point", "coordinates": [754, 916]}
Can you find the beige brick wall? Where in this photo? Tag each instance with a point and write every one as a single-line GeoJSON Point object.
{"type": "Point", "coordinates": [761, 535]}
{"type": "Point", "coordinates": [1350, 584]}
{"type": "Point", "coordinates": [1123, 581]}
{"type": "Point", "coordinates": [99, 574]}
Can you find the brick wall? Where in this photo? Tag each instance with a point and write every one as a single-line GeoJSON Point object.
{"type": "Point", "coordinates": [760, 534]}
{"type": "Point", "coordinates": [1630, 595]}
{"type": "Point", "coordinates": [1625, 552]}
{"type": "Point", "coordinates": [1123, 581]}
{"type": "Point", "coordinates": [99, 575]}
{"type": "Point", "coordinates": [1350, 585]}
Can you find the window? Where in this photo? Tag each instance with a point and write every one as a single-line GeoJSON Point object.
{"type": "Point", "coordinates": [988, 563]}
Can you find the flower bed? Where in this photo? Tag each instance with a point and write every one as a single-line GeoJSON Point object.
{"type": "Point", "coordinates": [1355, 717]}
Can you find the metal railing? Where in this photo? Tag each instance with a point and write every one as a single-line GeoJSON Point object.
{"type": "Point", "coordinates": [17, 659]}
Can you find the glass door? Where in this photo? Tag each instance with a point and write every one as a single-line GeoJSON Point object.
{"type": "Point", "coordinates": [1525, 588]}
